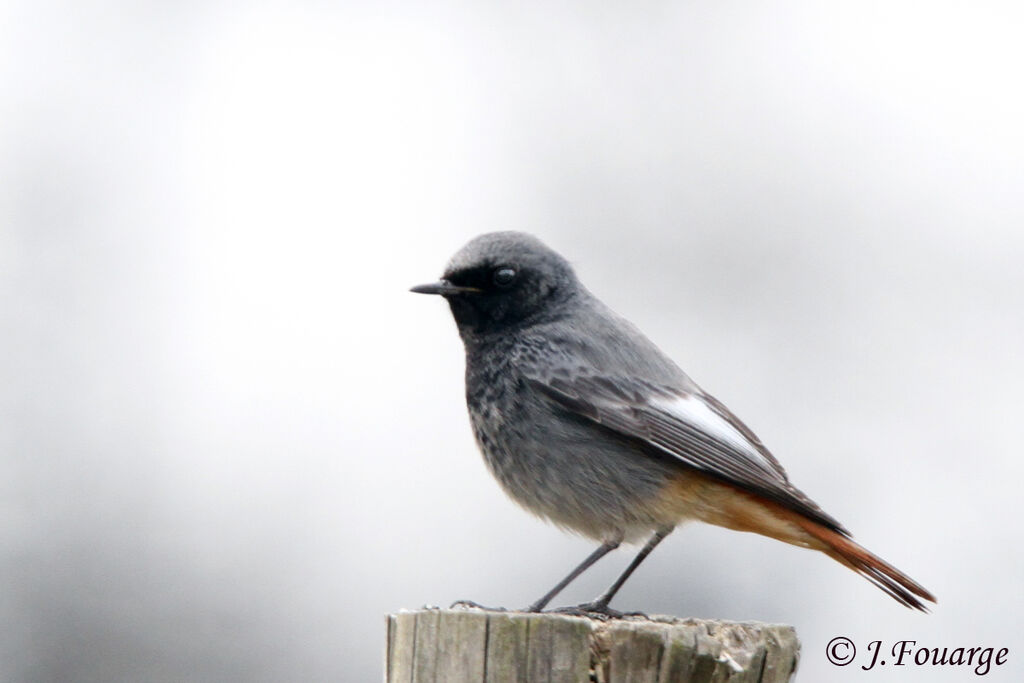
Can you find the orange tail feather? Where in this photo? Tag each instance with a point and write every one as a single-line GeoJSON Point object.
{"type": "Point", "coordinates": [714, 502]}
{"type": "Point", "coordinates": [876, 570]}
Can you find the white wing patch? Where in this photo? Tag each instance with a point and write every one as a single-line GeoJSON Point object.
{"type": "Point", "coordinates": [692, 410]}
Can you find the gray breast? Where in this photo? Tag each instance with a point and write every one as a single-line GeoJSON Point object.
{"type": "Point", "coordinates": [559, 466]}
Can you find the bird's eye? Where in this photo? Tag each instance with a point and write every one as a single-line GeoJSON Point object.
{"type": "Point", "coordinates": [504, 276]}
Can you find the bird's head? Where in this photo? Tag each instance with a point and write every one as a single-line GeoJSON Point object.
{"type": "Point", "coordinates": [504, 280]}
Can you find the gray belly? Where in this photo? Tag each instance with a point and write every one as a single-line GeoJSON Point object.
{"type": "Point", "coordinates": [564, 468]}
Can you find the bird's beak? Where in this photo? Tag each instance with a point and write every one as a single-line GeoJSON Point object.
{"type": "Point", "coordinates": [444, 288]}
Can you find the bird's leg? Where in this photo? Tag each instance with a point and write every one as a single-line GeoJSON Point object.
{"type": "Point", "coordinates": [600, 605]}
{"type": "Point", "coordinates": [603, 550]}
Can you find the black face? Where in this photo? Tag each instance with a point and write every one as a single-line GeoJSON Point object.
{"type": "Point", "coordinates": [486, 278]}
{"type": "Point", "coordinates": [506, 294]}
{"type": "Point", "coordinates": [501, 281]}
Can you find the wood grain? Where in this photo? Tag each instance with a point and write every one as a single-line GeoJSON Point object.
{"type": "Point", "coordinates": [466, 645]}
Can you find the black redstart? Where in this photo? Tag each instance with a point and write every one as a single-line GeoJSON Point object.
{"type": "Point", "coordinates": [586, 423]}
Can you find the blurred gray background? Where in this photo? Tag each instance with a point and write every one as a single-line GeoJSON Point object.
{"type": "Point", "coordinates": [231, 441]}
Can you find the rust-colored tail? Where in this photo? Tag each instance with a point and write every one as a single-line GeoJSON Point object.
{"type": "Point", "coordinates": [745, 511]}
{"type": "Point", "coordinates": [695, 496]}
{"type": "Point", "coordinates": [879, 572]}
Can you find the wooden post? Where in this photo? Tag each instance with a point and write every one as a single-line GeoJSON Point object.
{"type": "Point", "coordinates": [467, 645]}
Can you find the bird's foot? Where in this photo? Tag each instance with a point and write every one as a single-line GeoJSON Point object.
{"type": "Point", "coordinates": [476, 605]}
{"type": "Point", "coordinates": [596, 610]}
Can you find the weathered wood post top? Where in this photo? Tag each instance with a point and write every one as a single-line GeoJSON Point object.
{"type": "Point", "coordinates": [464, 645]}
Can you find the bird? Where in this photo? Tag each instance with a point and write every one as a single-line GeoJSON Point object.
{"type": "Point", "coordinates": [586, 423]}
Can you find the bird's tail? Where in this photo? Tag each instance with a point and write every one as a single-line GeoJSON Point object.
{"type": "Point", "coordinates": [726, 505]}
{"type": "Point", "coordinates": [876, 570]}
{"type": "Point", "coordinates": [746, 511]}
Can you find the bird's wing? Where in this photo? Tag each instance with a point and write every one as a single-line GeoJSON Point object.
{"type": "Point", "coordinates": [692, 428]}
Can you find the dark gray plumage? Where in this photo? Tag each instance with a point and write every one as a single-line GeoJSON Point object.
{"type": "Point", "coordinates": [585, 422]}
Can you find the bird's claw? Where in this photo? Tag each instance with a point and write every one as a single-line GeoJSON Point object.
{"type": "Point", "coordinates": [596, 610]}
{"type": "Point", "coordinates": [476, 605]}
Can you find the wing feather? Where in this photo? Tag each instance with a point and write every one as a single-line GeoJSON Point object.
{"type": "Point", "coordinates": [690, 427]}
